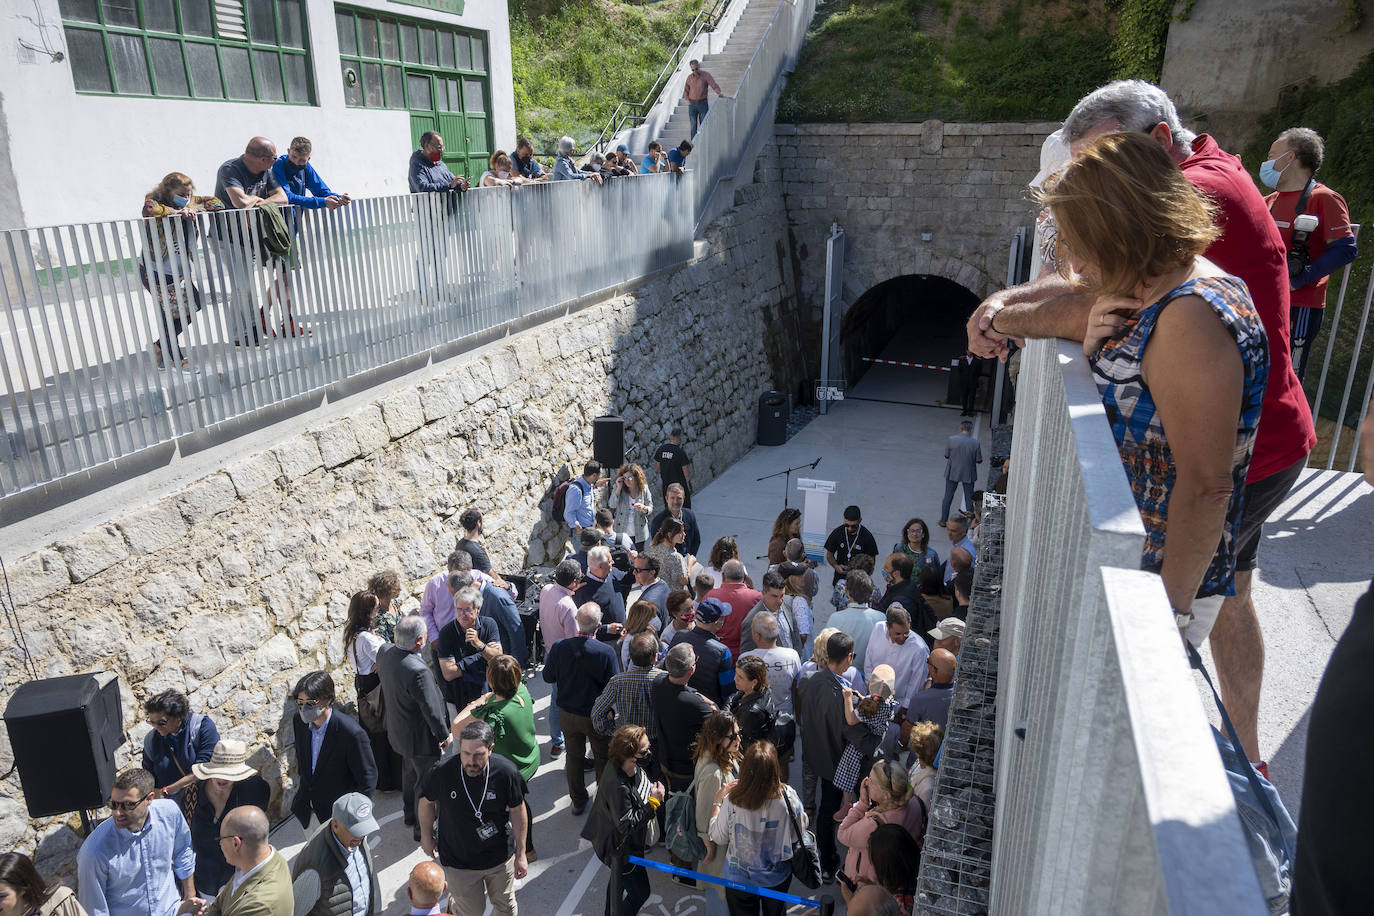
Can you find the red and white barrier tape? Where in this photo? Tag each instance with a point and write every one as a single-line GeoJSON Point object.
{"type": "Point", "coordinates": [897, 362]}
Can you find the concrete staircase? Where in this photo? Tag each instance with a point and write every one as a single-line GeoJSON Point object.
{"type": "Point", "coordinates": [727, 66]}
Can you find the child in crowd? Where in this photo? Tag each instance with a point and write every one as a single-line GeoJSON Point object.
{"type": "Point", "coordinates": [867, 720]}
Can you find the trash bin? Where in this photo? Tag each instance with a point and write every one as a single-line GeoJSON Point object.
{"type": "Point", "coordinates": [773, 413]}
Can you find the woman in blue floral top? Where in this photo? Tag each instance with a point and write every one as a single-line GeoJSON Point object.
{"type": "Point", "coordinates": [386, 585]}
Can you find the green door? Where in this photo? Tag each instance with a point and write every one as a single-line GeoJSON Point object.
{"type": "Point", "coordinates": [437, 103]}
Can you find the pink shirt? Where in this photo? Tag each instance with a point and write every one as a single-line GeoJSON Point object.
{"type": "Point", "coordinates": [694, 90]}
{"type": "Point", "coordinates": [556, 614]}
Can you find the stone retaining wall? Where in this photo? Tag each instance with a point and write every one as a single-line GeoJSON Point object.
{"type": "Point", "coordinates": [235, 586]}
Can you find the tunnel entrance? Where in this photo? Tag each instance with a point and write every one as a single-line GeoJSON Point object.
{"type": "Point", "coordinates": [915, 318]}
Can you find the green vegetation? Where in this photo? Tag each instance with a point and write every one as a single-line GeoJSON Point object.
{"type": "Point", "coordinates": [1343, 113]}
{"type": "Point", "coordinates": [575, 60]}
{"type": "Point", "coordinates": [871, 60]}
{"type": "Point", "coordinates": [1142, 31]}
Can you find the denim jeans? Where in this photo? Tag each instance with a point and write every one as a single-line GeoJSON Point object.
{"type": "Point", "coordinates": [555, 734]}
{"type": "Point", "coordinates": [696, 113]}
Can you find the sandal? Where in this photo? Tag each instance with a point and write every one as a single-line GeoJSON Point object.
{"type": "Point", "coordinates": [157, 354]}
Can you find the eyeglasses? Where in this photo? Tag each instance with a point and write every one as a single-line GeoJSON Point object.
{"type": "Point", "coordinates": [734, 736]}
{"type": "Point", "coordinates": [641, 569]}
{"type": "Point", "coordinates": [308, 704]}
{"type": "Point", "coordinates": [128, 805]}
{"type": "Point", "coordinates": [159, 723]}
{"type": "Point", "coordinates": [227, 836]}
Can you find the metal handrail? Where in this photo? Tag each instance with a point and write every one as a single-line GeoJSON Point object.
{"type": "Point", "coordinates": [617, 121]}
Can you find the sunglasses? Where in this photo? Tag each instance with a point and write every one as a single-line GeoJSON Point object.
{"type": "Point", "coordinates": [128, 805]}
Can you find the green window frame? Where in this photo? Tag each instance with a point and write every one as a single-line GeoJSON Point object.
{"type": "Point", "coordinates": [383, 59]}
{"type": "Point", "coordinates": [206, 50]}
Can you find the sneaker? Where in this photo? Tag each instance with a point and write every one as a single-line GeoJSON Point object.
{"type": "Point", "coordinates": [556, 751]}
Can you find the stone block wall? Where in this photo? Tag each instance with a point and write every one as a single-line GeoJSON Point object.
{"type": "Point", "coordinates": [233, 587]}
{"type": "Point", "coordinates": [889, 184]}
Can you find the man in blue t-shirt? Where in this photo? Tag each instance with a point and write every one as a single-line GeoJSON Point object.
{"type": "Point", "coordinates": [297, 177]}
{"type": "Point", "coordinates": [525, 163]}
{"type": "Point", "coordinates": [677, 158]}
{"type": "Point", "coordinates": [653, 162]}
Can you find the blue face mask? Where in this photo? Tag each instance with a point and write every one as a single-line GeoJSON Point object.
{"type": "Point", "coordinates": [1270, 175]}
{"type": "Point", "coordinates": [178, 201]}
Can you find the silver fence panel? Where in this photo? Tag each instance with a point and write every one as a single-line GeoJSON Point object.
{"type": "Point", "coordinates": [1082, 824]}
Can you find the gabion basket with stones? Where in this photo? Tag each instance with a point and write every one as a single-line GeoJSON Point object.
{"type": "Point", "coordinates": [957, 863]}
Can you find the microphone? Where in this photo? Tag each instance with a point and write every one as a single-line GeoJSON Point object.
{"type": "Point", "coordinates": [814, 463]}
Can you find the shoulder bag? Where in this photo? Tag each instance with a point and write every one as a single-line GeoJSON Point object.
{"type": "Point", "coordinates": [806, 859]}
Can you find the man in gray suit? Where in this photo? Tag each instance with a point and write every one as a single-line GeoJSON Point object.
{"type": "Point", "coordinates": [416, 718]}
{"type": "Point", "coordinates": [963, 454]}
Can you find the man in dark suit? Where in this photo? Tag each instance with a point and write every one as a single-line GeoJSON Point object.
{"type": "Point", "coordinates": [963, 454]}
{"type": "Point", "coordinates": [966, 375]}
{"type": "Point", "coordinates": [333, 753]}
{"type": "Point", "coordinates": [600, 586]}
{"type": "Point", "coordinates": [674, 499]}
{"type": "Point", "coordinates": [416, 719]}
{"type": "Point", "coordinates": [498, 605]}
{"type": "Point", "coordinates": [820, 704]}
{"type": "Point", "coordinates": [902, 589]}
{"type": "Point", "coordinates": [649, 587]}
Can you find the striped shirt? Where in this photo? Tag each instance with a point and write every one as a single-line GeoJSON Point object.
{"type": "Point", "coordinates": [625, 701]}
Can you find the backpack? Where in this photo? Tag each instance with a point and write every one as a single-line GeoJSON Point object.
{"type": "Point", "coordinates": [560, 498]}
{"type": "Point", "coordinates": [680, 825]}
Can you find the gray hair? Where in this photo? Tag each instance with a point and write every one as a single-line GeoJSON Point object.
{"type": "Point", "coordinates": [457, 581]}
{"type": "Point", "coordinates": [732, 571]}
{"type": "Point", "coordinates": [680, 660]}
{"type": "Point", "coordinates": [765, 626]}
{"type": "Point", "coordinates": [565, 145]}
{"type": "Point", "coordinates": [588, 617]}
{"type": "Point", "coordinates": [1306, 145]}
{"type": "Point", "coordinates": [409, 629]}
{"type": "Point", "coordinates": [471, 595]}
{"type": "Point", "coordinates": [599, 554]}
{"type": "Point", "coordinates": [795, 550]}
{"type": "Point", "coordinates": [1134, 105]}
{"type": "Point", "coordinates": [898, 616]}
{"type": "Point", "coordinates": [597, 159]}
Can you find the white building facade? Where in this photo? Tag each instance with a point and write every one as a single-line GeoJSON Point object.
{"type": "Point", "coordinates": [101, 98]}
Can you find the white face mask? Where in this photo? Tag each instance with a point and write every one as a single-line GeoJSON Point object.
{"type": "Point", "coordinates": [503, 174]}
{"type": "Point", "coordinates": [309, 714]}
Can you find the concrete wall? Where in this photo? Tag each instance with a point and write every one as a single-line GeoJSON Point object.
{"type": "Point", "coordinates": [90, 157]}
{"type": "Point", "coordinates": [889, 184]}
{"type": "Point", "coordinates": [1229, 61]}
{"type": "Point", "coordinates": [235, 585]}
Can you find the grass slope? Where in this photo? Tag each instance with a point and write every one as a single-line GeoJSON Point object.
{"type": "Point", "coordinates": [902, 60]}
{"type": "Point", "coordinates": [575, 60]}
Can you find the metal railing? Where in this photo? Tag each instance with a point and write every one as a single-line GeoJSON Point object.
{"type": "Point", "coordinates": [379, 281]}
{"type": "Point", "coordinates": [1115, 800]}
{"type": "Point", "coordinates": [1351, 370]}
{"type": "Point", "coordinates": [627, 114]}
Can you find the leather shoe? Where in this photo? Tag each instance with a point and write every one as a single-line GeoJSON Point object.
{"type": "Point", "coordinates": [827, 878]}
{"type": "Point", "coordinates": [588, 763]}
{"type": "Point", "coordinates": [941, 524]}
{"type": "Point", "coordinates": [556, 752]}
{"type": "Point", "coordinates": [579, 807]}
{"type": "Point", "coordinates": [415, 832]}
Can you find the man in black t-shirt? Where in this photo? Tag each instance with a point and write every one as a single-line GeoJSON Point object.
{"type": "Point", "coordinates": [478, 799]}
{"type": "Point", "coordinates": [847, 540]}
{"type": "Point", "coordinates": [674, 466]}
{"type": "Point", "coordinates": [244, 183]}
{"type": "Point", "coordinates": [465, 645]}
{"type": "Point", "coordinates": [679, 710]}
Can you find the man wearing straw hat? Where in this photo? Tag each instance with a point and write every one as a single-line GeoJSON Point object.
{"type": "Point", "coordinates": [334, 874]}
{"type": "Point", "coordinates": [226, 782]}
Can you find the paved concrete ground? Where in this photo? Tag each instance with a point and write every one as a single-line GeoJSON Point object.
{"type": "Point", "coordinates": [887, 457]}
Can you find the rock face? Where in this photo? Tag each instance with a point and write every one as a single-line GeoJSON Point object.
{"type": "Point", "coordinates": [233, 587]}
{"type": "Point", "coordinates": [956, 865]}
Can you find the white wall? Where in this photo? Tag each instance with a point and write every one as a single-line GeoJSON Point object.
{"type": "Point", "coordinates": [83, 158]}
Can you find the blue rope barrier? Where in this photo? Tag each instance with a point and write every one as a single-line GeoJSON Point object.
{"type": "Point", "coordinates": [734, 885]}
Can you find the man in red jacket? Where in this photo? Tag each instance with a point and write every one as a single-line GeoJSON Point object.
{"type": "Point", "coordinates": [1250, 248]}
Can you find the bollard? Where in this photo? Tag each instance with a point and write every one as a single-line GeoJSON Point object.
{"type": "Point", "coordinates": [827, 905]}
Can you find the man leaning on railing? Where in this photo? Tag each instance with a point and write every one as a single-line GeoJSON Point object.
{"type": "Point", "coordinates": [246, 183]}
{"type": "Point", "coordinates": [427, 169]}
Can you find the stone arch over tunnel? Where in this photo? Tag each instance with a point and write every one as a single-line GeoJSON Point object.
{"type": "Point", "coordinates": [915, 318]}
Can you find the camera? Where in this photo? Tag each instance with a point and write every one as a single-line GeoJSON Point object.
{"type": "Point", "coordinates": [1299, 255]}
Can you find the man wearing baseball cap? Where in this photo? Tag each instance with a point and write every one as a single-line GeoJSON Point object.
{"type": "Point", "coordinates": [334, 874]}
{"type": "Point", "coordinates": [714, 677]}
{"type": "Point", "coordinates": [948, 634]}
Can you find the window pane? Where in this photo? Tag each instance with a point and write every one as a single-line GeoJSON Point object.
{"type": "Point", "coordinates": [130, 66]}
{"type": "Point", "coordinates": [429, 52]}
{"type": "Point", "coordinates": [262, 21]}
{"type": "Point", "coordinates": [367, 36]}
{"type": "Point", "coordinates": [473, 102]}
{"type": "Point", "coordinates": [395, 98]}
{"type": "Point", "coordinates": [78, 9]}
{"type": "Point", "coordinates": [289, 19]}
{"type": "Point", "coordinates": [297, 78]}
{"type": "Point", "coordinates": [204, 71]}
{"type": "Point", "coordinates": [121, 12]}
{"type": "Point", "coordinates": [479, 54]}
{"type": "Point", "coordinates": [236, 76]}
{"type": "Point", "coordinates": [348, 39]}
{"type": "Point", "coordinates": [446, 50]}
{"type": "Point", "coordinates": [372, 85]}
{"type": "Point", "coordinates": [159, 16]}
{"type": "Point", "coordinates": [391, 41]}
{"type": "Point", "coordinates": [267, 69]}
{"type": "Point", "coordinates": [410, 44]}
{"type": "Point", "coordinates": [464, 51]}
{"type": "Point", "coordinates": [353, 90]}
{"type": "Point", "coordinates": [89, 70]}
{"type": "Point", "coordinates": [195, 18]}
{"type": "Point", "coordinates": [167, 66]}
{"type": "Point", "coordinates": [455, 101]}
{"type": "Point", "coordinates": [418, 87]}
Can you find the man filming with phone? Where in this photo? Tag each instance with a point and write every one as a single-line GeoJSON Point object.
{"type": "Point", "coordinates": [1315, 225]}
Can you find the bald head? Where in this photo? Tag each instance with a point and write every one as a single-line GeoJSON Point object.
{"type": "Point", "coordinates": [427, 884]}
{"type": "Point", "coordinates": [942, 662]}
{"type": "Point", "coordinates": [732, 571]}
{"type": "Point", "coordinates": [248, 823]}
{"type": "Point", "coordinates": [872, 900]}
{"type": "Point", "coordinates": [959, 558]}
{"type": "Point", "coordinates": [258, 151]}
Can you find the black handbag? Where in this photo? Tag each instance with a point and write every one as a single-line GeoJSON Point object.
{"type": "Point", "coordinates": [806, 858]}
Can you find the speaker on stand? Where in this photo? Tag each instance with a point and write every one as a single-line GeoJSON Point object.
{"type": "Point", "coordinates": [608, 442]}
{"type": "Point", "coordinates": [64, 732]}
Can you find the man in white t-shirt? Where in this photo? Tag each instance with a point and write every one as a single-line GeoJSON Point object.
{"type": "Point", "coordinates": [784, 665]}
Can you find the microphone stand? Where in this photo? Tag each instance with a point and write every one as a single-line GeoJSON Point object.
{"type": "Point", "coordinates": [787, 484]}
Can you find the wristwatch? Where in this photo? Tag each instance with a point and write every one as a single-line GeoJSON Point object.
{"type": "Point", "coordinates": [1181, 618]}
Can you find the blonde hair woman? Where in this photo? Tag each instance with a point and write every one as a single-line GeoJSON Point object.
{"type": "Point", "coordinates": [884, 798]}
{"type": "Point", "coordinates": [165, 266]}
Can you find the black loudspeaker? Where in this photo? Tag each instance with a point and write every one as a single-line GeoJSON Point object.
{"type": "Point", "coordinates": [64, 732]}
{"type": "Point", "coordinates": [608, 442]}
